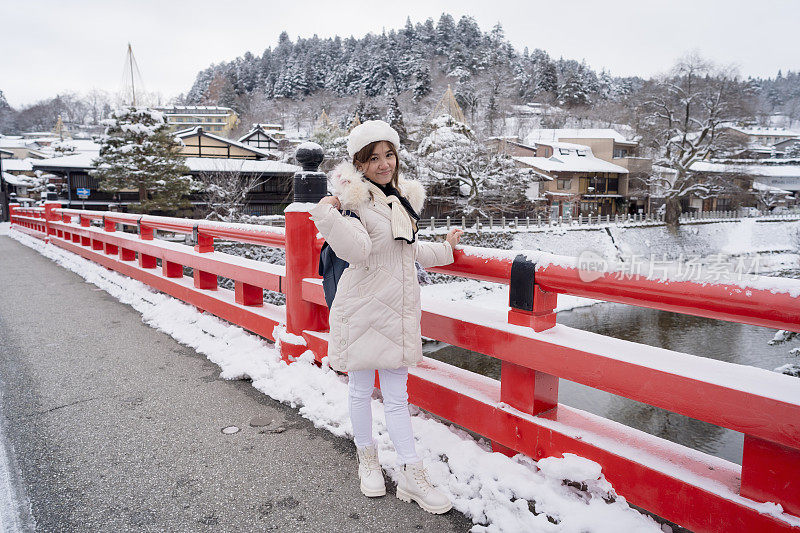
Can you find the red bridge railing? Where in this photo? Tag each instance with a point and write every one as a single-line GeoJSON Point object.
{"type": "Point", "coordinates": [519, 413]}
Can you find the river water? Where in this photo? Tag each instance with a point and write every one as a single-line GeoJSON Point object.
{"type": "Point", "coordinates": [725, 341]}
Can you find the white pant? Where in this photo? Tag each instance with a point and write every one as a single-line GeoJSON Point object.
{"type": "Point", "coordinates": [395, 402]}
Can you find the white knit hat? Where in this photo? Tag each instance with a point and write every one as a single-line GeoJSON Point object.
{"type": "Point", "coordinates": [371, 131]}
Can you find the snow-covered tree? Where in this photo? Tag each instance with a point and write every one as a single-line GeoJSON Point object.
{"type": "Point", "coordinates": [793, 151]}
{"type": "Point", "coordinates": [225, 193]}
{"type": "Point", "coordinates": [769, 197]}
{"type": "Point", "coordinates": [139, 152]}
{"type": "Point", "coordinates": [422, 86]}
{"type": "Point", "coordinates": [475, 180]}
{"type": "Point", "coordinates": [685, 113]}
{"type": "Point", "coordinates": [395, 118]}
{"type": "Point", "coordinates": [573, 92]}
{"type": "Point", "coordinates": [8, 117]}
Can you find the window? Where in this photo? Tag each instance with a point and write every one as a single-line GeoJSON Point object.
{"type": "Point", "coordinates": [563, 151]}
{"type": "Point", "coordinates": [564, 183]}
{"type": "Point", "coordinates": [620, 152]}
{"type": "Point", "coordinates": [581, 153]}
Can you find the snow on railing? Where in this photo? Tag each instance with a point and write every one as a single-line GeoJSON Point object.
{"type": "Point", "coordinates": [521, 412]}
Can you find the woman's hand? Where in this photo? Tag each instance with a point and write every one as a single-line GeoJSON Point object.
{"type": "Point", "coordinates": [453, 236]}
{"type": "Point", "coordinates": [333, 200]}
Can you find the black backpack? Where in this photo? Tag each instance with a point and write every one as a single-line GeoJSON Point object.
{"type": "Point", "coordinates": [331, 267]}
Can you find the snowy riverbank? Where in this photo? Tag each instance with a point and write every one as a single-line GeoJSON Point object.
{"type": "Point", "coordinates": [734, 238]}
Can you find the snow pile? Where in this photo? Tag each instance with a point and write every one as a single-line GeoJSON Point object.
{"type": "Point", "coordinates": [790, 369]}
{"type": "Point", "coordinates": [498, 493]}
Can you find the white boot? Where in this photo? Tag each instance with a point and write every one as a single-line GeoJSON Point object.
{"type": "Point", "coordinates": [415, 485]}
{"type": "Point", "coordinates": [370, 473]}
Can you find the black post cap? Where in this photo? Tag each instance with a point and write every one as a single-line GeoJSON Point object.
{"type": "Point", "coordinates": [310, 156]}
{"type": "Point", "coordinates": [523, 274]}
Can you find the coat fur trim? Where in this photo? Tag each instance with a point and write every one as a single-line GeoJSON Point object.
{"type": "Point", "coordinates": [352, 188]}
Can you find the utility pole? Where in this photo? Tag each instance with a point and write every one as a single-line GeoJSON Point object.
{"type": "Point", "coordinates": [130, 61]}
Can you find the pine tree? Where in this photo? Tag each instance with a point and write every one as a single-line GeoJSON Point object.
{"type": "Point", "coordinates": [8, 117]}
{"type": "Point", "coordinates": [395, 119]}
{"type": "Point", "coordinates": [546, 76]}
{"type": "Point", "coordinates": [573, 93]}
{"type": "Point", "coordinates": [445, 33]}
{"type": "Point", "coordinates": [138, 152]}
{"type": "Point", "coordinates": [422, 87]}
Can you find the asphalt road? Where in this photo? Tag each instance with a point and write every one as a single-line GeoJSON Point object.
{"type": "Point", "coordinates": [113, 426]}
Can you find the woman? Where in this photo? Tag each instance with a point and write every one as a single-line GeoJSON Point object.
{"type": "Point", "coordinates": [375, 316]}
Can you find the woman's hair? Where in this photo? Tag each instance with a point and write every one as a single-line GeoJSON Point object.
{"type": "Point", "coordinates": [363, 155]}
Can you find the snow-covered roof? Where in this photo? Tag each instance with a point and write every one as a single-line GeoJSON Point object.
{"type": "Point", "coordinates": [774, 171]}
{"type": "Point", "coordinates": [195, 131]}
{"type": "Point", "coordinates": [195, 164]}
{"type": "Point", "coordinates": [81, 145]}
{"type": "Point", "coordinates": [17, 181]}
{"type": "Point", "coordinates": [256, 129]}
{"type": "Point", "coordinates": [763, 187]}
{"type": "Point", "coordinates": [17, 165]}
{"type": "Point", "coordinates": [570, 161]}
{"type": "Point", "coordinates": [566, 146]}
{"type": "Point", "coordinates": [542, 135]}
{"type": "Point", "coordinates": [81, 160]}
{"type": "Point", "coordinates": [17, 142]}
{"type": "Point", "coordinates": [214, 164]}
{"type": "Point", "coordinates": [772, 132]}
{"type": "Point", "coordinates": [195, 110]}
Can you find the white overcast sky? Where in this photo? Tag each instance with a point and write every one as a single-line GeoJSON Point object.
{"type": "Point", "coordinates": [49, 47]}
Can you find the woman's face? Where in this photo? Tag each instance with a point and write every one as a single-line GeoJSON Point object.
{"type": "Point", "coordinates": [380, 166]}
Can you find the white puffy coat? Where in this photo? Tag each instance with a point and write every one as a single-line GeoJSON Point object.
{"type": "Point", "coordinates": [375, 316]}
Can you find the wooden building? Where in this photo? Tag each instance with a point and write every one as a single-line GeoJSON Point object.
{"type": "Point", "coordinates": [259, 138]}
{"type": "Point", "coordinates": [197, 142]}
{"type": "Point", "coordinates": [581, 184]}
{"type": "Point", "coordinates": [215, 119]}
{"type": "Point", "coordinates": [271, 196]}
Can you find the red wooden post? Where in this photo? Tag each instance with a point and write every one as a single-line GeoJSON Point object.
{"type": "Point", "coordinates": [146, 261]}
{"type": "Point", "coordinates": [171, 270]}
{"type": "Point", "coordinates": [300, 263]}
{"type": "Point", "coordinates": [202, 279]}
{"type": "Point", "coordinates": [68, 235]}
{"type": "Point", "coordinates": [12, 213]}
{"type": "Point", "coordinates": [205, 243]}
{"type": "Point", "coordinates": [522, 388]}
{"type": "Point", "coordinates": [110, 226]}
{"type": "Point", "coordinates": [771, 473]}
{"type": "Point", "coordinates": [49, 216]}
{"type": "Point", "coordinates": [246, 294]}
{"type": "Point", "coordinates": [85, 221]}
{"type": "Point", "coordinates": [127, 255]}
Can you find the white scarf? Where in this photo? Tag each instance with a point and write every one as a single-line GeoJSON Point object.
{"type": "Point", "coordinates": [403, 227]}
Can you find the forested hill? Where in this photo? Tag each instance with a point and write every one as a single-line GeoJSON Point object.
{"type": "Point", "coordinates": [415, 58]}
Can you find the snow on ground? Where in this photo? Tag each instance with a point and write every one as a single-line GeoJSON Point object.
{"type": "Point", "coordinates": [4, 228]}
{"type": "Point", "coordinates": [496, 492]}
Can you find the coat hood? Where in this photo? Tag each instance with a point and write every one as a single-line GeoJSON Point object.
{"type": "Point", "coordinates": [352, 187]}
